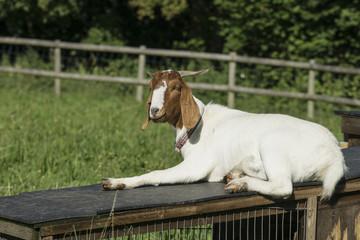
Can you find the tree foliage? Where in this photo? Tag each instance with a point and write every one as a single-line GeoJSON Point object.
{"type": "Point", "coordinates": [325, 30]}
{"type": "Point", "coordinates": [298, 30]}
{"type": "Point", "coordinates": [169, 8]}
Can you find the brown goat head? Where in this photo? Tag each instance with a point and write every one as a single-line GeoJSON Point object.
{"type": "Point", "coordinates": [171, 99]}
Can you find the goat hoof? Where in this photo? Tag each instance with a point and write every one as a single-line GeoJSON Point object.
{"type": "Point", "coordinates": [107, 184]}
{"type": "Point", "coordinates": [234, 188]}
{"type": "Point", "coordinates": [233, 175]}
{"type": "Point", "coordinates": [227, 178]}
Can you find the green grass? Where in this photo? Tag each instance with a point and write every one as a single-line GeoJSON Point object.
{"type": "Point", "coordinates": [94, 131]}
{"type": "Point", "coordinates": [77, 139]}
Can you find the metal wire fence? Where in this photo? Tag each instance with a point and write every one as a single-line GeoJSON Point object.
{"type": "Point", "coordinates": [283, 223]}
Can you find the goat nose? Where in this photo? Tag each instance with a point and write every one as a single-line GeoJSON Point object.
{"type": "Point", "coordinates": [154, 111]}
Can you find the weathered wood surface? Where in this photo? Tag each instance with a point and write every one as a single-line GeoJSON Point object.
{"type": "Point", "coordinates": [17, 230]}
{"type": "Point", "coordinates": [168, 212]}
{"type": "Point", "coordinates": [350, 122]}
{"type": "Point", "coordinates": [350, 125]}
{"type": "Point", "coordinates": [311, 218]}
{"type": "Point", "coordinates": [340, 220]}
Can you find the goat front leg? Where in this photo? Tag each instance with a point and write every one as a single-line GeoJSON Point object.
{"type": "Point", "coordinates": [185, 172]}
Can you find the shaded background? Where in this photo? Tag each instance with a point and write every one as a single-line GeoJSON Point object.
{"type": "Point", "coordinates": [289, 29]}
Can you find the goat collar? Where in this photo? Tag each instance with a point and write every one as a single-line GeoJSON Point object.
{"type": "Point", "coordinates": [178, 145]}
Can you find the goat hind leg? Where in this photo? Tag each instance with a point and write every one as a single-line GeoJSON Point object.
{"type": "Point", "coordinates": [278, 182]}
{"type": "Point", "coordinates": [277, 189]}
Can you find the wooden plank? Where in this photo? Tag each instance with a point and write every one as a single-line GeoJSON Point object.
{"type": "Point", "coordinates": [340, 220]}
{"type": "Point", "coordinates": [231, 81]}
{"type": "Point", "coordinates": [311, 218]}
{"type": "Point", "coordinates": [201, 86]}
{"type": "Point", "coordinates": [340, 201]}
{"type": "Point", "coordinates": [76, 76]}
{"type": "Point", "coordinates": [17, 230]}
{"type": "Point", "coordinates": [311, 91]}
{"type": "Point", "coordinates": [298, 95]}
{"type": "Point", "coordinates": [350, 125]}
{"type": "Point", "coordinates": [161, 213]}
{"type": "Point", "coordinates": [57, 68]}
{"type": "Point", "coordinates": [180, 53]}
{"type": "Point", "coordinates": [27, 41]}
{"type": "Point", "coordinates": [354, 141]}
{"type": "Point", "coordinates": [141, 70]}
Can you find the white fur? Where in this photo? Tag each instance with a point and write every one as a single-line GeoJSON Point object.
{"type": "Point", "coordinates": [273, 150]}
{"type": "Point", "coordinates": [157, 100]}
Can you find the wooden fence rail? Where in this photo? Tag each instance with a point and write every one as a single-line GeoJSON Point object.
{"type": "Point", "coordinates": [142, 52]}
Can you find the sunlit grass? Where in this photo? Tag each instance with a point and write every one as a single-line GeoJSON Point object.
{"type": "Point", "coordinates": [77, 139]}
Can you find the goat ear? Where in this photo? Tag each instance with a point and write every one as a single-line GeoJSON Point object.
{"type": "Point", "coordinates": [151, 74]}
{"type": "Point", "coordinates": [148, 103]}
{"type": "Point", "coordinates": [189, 109]}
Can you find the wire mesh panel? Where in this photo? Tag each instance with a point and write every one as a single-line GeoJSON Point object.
{"type": "Point", "coordinates": [99, 63]}
{"type": "Point", "coordinates": [260, 223]}
{"type": "Point", "coordinates": [21, 56]}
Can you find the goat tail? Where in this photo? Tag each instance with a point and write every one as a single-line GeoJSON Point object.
{"type": "Point", "coordinates": [333, 175]}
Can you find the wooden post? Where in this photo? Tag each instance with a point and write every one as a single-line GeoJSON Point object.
{"type": "Point", "coordinates": [141, 70]}
{"type": "Point", "coordinates": [231, 80]}
{"type": "Point", "coordinates": [311, 217]}
{"type": "Point", "coordinates": [57, 67]}
{"type": "Point", "coordinates": [311, 90]}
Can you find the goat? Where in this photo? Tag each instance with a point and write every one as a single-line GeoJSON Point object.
{"type": "Point", "coordinates": [265, 153]}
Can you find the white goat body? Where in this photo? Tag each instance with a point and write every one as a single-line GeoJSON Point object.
{"type": "Point", "coordinates": [272, 150]}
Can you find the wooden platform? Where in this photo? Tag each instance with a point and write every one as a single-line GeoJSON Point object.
{"type": "Point", "coordinates": [40, 214]}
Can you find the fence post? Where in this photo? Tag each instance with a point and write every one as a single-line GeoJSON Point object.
{"type": "Point", "coordinates": [57, 67]}
{"type": "Point", "coordinates": [231, 80]}
{"type": "Point", "coordinates": [311, 90]}
{"type": "Point", "coordinates": [311, 216]}
{"type": "Point", "coordinates": [141, 70]}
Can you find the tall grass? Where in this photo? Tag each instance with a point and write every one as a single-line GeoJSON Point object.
{"type": "Point", "coordinates": [93, 130]}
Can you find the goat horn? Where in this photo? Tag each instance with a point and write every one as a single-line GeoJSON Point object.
{"type": "Point", "coordinates": [191, 73]}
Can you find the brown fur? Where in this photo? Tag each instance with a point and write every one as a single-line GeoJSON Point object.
{"type": "Point", "coordinates": [189, 109]}
{"type": "Point", "coordinates": [148, 103]}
